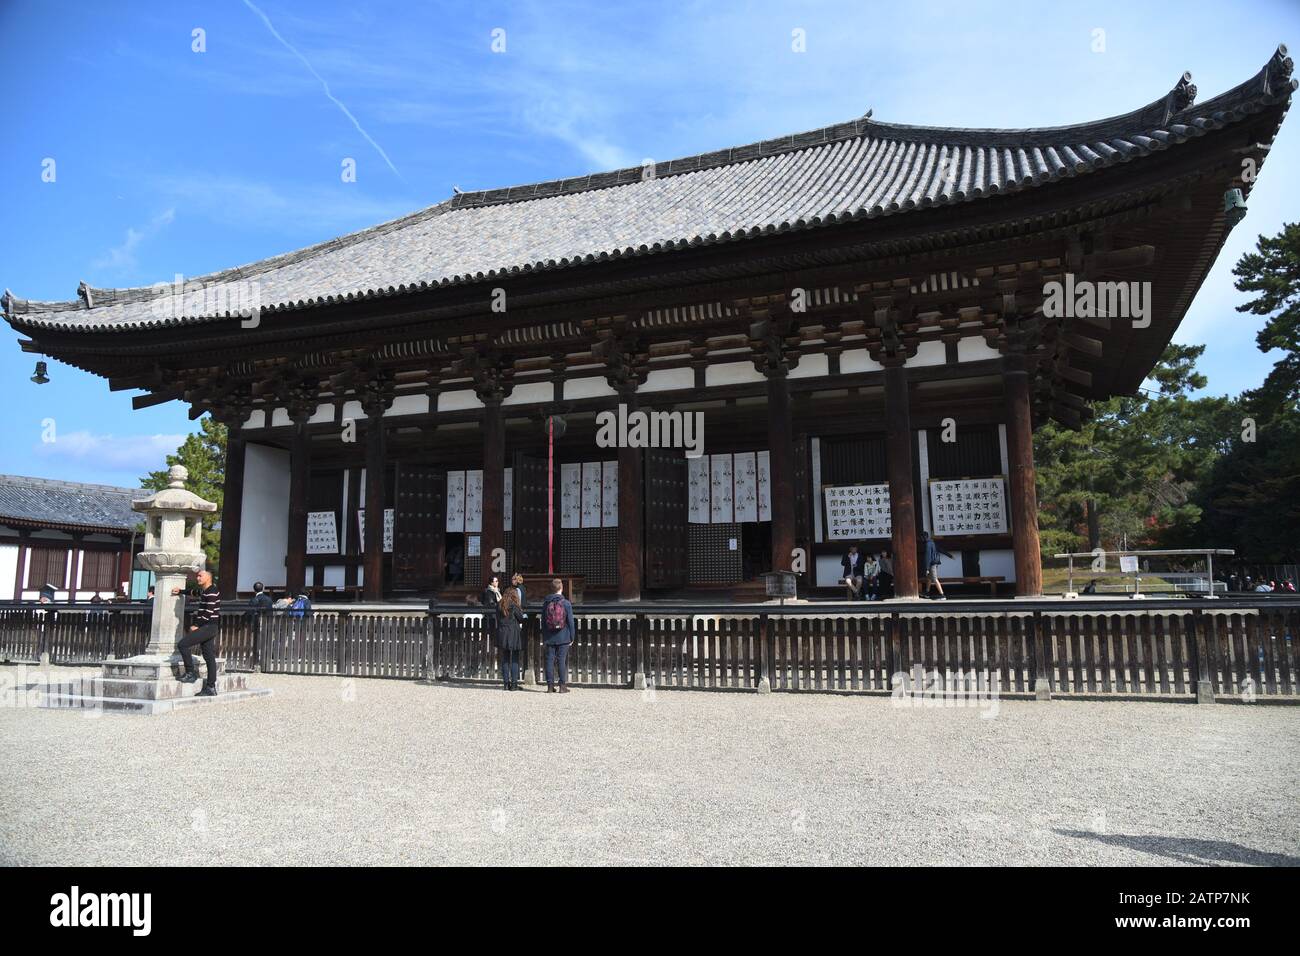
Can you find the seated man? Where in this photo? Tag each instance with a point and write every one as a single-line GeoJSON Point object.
{"type": "Point", "coordinates": [852, 565]}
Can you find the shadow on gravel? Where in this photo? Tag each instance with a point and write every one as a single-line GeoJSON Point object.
{"type": "Point", "coordinates": [1195, 852]}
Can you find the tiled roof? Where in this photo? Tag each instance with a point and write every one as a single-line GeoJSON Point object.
{"type": "Point", "coordinates": [68, 503]}
{"type": "Point", "coordinates": [852, 171]}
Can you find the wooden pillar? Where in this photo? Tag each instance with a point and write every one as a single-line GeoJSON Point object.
{"type": "Point", "coordinates": [898, 466]}
{"type": "Point", "coordinates": [232, 506]}
{"type": "Point", "coordinates": [780, 442]}
{"type": "Point", "coordinates": [630, 550]}
{"type": "Point", "coordinates": [373, 588]}
{"type": "Point", "coordinates": [493, 535]}
{"type": "Point", "coordinates": [299, 471]}
{"type": "Point", "coordinates": [1023, 493]}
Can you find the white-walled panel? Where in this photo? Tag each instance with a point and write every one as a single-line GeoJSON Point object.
{"type": "Point", "coordinates": [858, 360]}
{"type": "Point", "coordinates": [264, 521]}
{"type": "Point", "coordinates": [530, 394]}
{"type": "Point", "coordinates": [998, 562]}
{"type": "Point", "coordinates": [975, 349]}
{"type": "Point", "coordinates": [732, 373]}
{"type": "Point", "coordinates": [458, 400]}
{"type": "Point", "coordinates": [669, 379]}
{"type": "Point", "coordinates": [811, 366]}
{"type": "Point", "coordinates": [591, 387]}
{"type": "Point", "coordinates": [929, 353]}
{"type": "Point", "coordinates": [8, 571]}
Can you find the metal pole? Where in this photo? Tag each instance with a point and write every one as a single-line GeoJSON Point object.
{"type": "Point", "coordinates": [550, 494]}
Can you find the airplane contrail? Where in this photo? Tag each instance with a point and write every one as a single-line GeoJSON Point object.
{"type": "Point", "coordinates": [326, 87]}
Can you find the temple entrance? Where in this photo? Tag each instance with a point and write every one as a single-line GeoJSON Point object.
{"type": "Point", "coordinates": [756, 549]}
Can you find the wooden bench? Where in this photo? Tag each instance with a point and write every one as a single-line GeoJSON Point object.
{"type": "Point", "coordinates": [992, 581]}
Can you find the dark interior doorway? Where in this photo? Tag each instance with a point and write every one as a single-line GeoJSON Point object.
{"type": "Point", "coordinates": [756, 549]}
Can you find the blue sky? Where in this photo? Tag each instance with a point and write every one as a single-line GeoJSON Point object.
{"type": "Point", "coordinates": [170, 160]}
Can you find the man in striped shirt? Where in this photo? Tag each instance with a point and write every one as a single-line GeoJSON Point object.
{"type": "Point", "coordinates": [203, 632]}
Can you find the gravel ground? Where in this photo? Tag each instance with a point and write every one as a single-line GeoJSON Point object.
{"type": "Point", "coordinates": [332, 771]}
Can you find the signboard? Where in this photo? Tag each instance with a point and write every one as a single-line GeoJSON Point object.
{"type": "Point", "coordinates": [781, 584]}
{"type": "Point", "coordinates": [322, 533]}
{"type": "Point", "coordinates": [1128, 564]}
{"type": "Point", "coordinates": [857, 511]}
{"type": "Point", "coordinates": [968, 506]}
{"type": "Point", "coordinates": [388, 528]}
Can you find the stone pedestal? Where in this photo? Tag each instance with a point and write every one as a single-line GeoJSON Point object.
{"type": "Point", "coordinates": [148, 684]}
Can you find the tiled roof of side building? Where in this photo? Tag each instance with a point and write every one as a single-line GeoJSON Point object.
{"type": "Point", "coordinates": [851, 171]}
{"type": "Point", "coordinates": [32, 501]}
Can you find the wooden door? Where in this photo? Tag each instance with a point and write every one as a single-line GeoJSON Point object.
{"type": "Point", "coordinates": [419, 527]}
{"type": "Point", "coordinates": [667, 557]}
{"type": "Point", "coordinates": [530, 513]}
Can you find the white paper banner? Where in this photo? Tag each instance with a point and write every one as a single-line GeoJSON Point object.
{"type": "Point", "coordinates": [968, 506]}
{"type": "Point", "coordinates": [746, 484]}
{"type": "Point", "coordinates": [858, 511]}
{"type": "Point", "coordinates": [764, 486]}
{"type": "Point", "coordinates": [591, 474]}
{"type": "Point", "coordinates": [455, 501]}
{"type": "Point", "coordinates": [388, 528]}
{"type": "Point", "coordinates": [720, 509]}
{"type": "Point", "coordinates": [322, 533]}
{"type": "Point", "coordinates": [609, 495]}
{"type": "Point", "coordinates": [571, 495]}
{"type": "Point", "coordinates": [697, 489]}
{"type": "Point", "coordinates": [473, 502]}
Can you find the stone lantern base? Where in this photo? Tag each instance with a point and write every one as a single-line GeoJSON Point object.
{"type": "Point", "coordinates": [148, 684]}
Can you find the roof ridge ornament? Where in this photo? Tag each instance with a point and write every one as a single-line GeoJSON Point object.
{"type": "Point", "coordinates": [1277, 72]}
{"type": "Point", "coordinates": [1181, 96]}
{"type": "Point", "coordinates": [84, 294]}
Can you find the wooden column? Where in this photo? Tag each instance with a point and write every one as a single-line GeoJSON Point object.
{"type": "Point", "coordinates": [630, 550]}
{"type": "Point", "coordinates": [493, 535]}
{"type": "Point", "coordinates": [232, 506]}
{"type": "Point", "coordinates": [373, 587]}
{"type": "Point", "coordinates": [898, 466]}
{"type": "Point", "coordinates": [1023, 493]}
{"type": "Point", "coordinates": [299, 472]}
{"type": "Point", "coordinates": [780, 443]}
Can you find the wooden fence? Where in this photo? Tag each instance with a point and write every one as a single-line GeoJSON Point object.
{"type": "Point", "coordinates": [1237, 650]}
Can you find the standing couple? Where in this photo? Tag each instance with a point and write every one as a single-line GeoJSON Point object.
{"type": "Point", "coordinates": [505, 614]}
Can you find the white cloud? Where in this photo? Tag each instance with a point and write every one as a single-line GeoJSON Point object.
{"type": "Point", "coordinates": [121, 258]}
{"type": "Point", "coordinates": [134, 453]}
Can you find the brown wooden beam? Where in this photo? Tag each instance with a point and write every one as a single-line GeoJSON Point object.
{"type": "Point", "coordinates": [232, 505]}
{"type": "Point", "coordinates": [299, 475]}
{"type": "Point", "coordinates": [1023, 492]}
{"type": "Point", "coordinates": [898, 468]}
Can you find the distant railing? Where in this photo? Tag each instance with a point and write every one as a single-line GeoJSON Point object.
{"type": "Point", "coordinates": [1154, 649]}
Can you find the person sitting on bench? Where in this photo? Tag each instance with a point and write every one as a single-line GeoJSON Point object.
{"type": "Point", "coordinates": [852, 565]}
{"type": "Point", "coordinates": [871, 578]}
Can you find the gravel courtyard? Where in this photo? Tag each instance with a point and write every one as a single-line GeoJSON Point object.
{"type": "Point", "coordinates": [334, 771]}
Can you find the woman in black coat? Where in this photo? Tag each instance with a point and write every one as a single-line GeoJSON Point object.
{"type": "Point", "coordinates": [490, 598]}
{"type": "Point", "coordinates": [510, 617]}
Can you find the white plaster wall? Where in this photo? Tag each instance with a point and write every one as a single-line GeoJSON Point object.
{"type": "Point", "coordinates": [530, 394]}
{"type": "Point", "coordinates": [408, 405]}
{"type": "Point", "coordinates": [324, 413]}
{"type": "Point", "coordinates": [858, 360]}
{"type": "Point", "coordinates": [353, 410]}
{"type": "Point", "coordinates": [974, 349]}
{"type": "Point", "coordinates": [280, 418]}
{"type": "Point", "coordinates": [829, 569]}
{"type": "Point", "coordinates": [335, 576]}
{"type": "Point", "coordinates": [667, 379]}
{"type": "Point", "coordinates": [811, 366]}
{"type": "Point", "coordinates": [929, 353]}
{"type": "Point", "coordinates": [458, 400]}
{"type": "Point", "coordinates": [256, 419]}
{"type": "Point", "coordinates": [732, 373]}
{"type": "Point", "coordinates": [8, 571]}
{"type": "Point", "coordinates": [994, 562]}
{"type": "Point", "coordinates": [593, 387]}
{"type": "Point", "coordinates": [264, 521]}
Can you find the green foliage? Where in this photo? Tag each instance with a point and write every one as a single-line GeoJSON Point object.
{"type": "Point", "coordinates": [204, 455]}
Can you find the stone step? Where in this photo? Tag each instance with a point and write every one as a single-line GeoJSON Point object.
{"type": "Point", "coordinates": [167, 688]}
{"type": "Point", "coordinates": [137, 669]}
{"type": "Point", "coordinates": [147, 706]}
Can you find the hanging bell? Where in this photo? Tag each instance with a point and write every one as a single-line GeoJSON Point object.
{"type": "Point", "coordinates": [40, 378]}
{"type": "Point", "coordinates": [1234, 207]}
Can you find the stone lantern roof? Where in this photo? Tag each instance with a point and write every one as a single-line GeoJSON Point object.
{"type": "Point", "coordinates": [175, 497]}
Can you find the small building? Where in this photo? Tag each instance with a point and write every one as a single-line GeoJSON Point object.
{"type": "Point", "coordinates": [78, 539]}
{"type": "Point", "coordinates": [869, 319]}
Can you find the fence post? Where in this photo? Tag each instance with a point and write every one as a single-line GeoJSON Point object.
{"type": "Point", "coordinates": [640, 626]}
{"type": "Point", "coordinates": [765, 638]}
{"type": "Point", "coordinates": [108, 638]}
{"type": "Point", "coordinates": [533, 626]}
{"type": "Point", "coordinates": [1038, 636]}
{"type": "Point", "coordinates": [895, 662]}
{"type": "Point", "coordinates": [426, 662]}
{"type": "Point", "coordinates": [43, 643]}
{"type": "Point", "coordinates": [341, 645]}
{"type": "Point", "coordinates": [1201, 652]}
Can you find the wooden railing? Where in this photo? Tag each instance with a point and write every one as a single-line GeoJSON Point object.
{"type": "Point", "coordinates": [1237, 649]}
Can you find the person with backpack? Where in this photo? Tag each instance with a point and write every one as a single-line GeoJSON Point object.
{"type": "Point", "coordinates": [510, 616]}
{"type": "Point", "coordinates": [558, 630]}
{"type": "Point", "coordinates": [301, 607]}
{"type": "Point", "coordinates": [932, 562]}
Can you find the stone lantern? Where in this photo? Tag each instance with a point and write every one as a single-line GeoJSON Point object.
{"type": "Point", "coordinates": [148, 683]}
{"type": "Point", "coordinates": [173, 549]}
